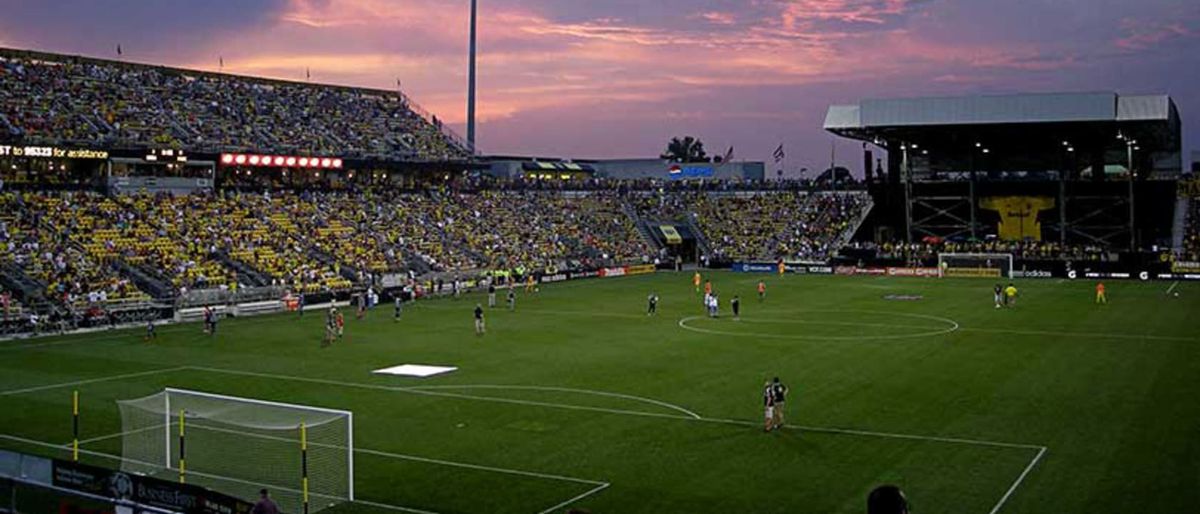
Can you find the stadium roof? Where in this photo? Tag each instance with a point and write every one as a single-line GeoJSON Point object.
{"type": "Point", "coordinates": [1020, 131]}
{"type": "Point", "coordinates": [1000, 109]}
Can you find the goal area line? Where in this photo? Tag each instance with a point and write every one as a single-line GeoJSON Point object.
{"type": "Point", "coordinates": [598, 485]}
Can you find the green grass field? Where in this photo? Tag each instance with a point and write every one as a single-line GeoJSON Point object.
{"type": "Point", "coordinates": [580, 399]}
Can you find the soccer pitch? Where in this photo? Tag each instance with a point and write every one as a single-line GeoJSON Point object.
{"type": "Point", "coordinates": [579, 399]}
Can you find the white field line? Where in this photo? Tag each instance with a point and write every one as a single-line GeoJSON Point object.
{"type": "Point", "coordinates": [560, 389]}
{"type": "Point", "coordinates": [617, 411]}
{"type": "Point", "coordinates": [91, 381]}
{"type": "Point", "coordinates": [1017, 483]}
{"type": "Point", "coordinates": [1173, 286]}
{"type": "Point", "coordinates": [585, 494]}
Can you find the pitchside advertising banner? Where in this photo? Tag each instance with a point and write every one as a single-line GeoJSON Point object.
{"type": "Point", "coordinates": [771, 267]}
{"type": "Point", "coordinates": [118, 485]}
{"type": "Point", "coordinates": [616, 271]}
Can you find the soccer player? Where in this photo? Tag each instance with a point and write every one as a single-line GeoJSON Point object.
{"type": "Point", "coordinates": [696, 281]}
{"type": "Point", "coordinates": [1100, 298]}
{"type": "Point", "coordinates": [762, 290]}
{"type": "Point", "coordinates": [399, 302]}
{"type": "Point", "coordinates": [300, 304]}
{"type": "Point", "coordinates": [652, 302]}
{"type": "Point", "coordinates": [736, 304]}
{"type": "Point", "coordinates": [768, 407]}
{"type": "Point", "coordinates": [341, 325]}
{"type": "Point", "coordinates": [150, 331]}
{"type": "Point", "coordinates": [208, 316]}
{"type": "Point", "coordinates": [362, 306]}
{"type": "Point", "coordinates": [782, 267]}
{"type": "Point", "coordinates": [779, 391]}
{"type": "Point", "coordinates": [1010, 295]}
{"type": "Point", "coordinates": [530, 284]}
{"type": "Point", "coordinates": [707, 287]}
{"type": "Point", "coordinates": [479, 327]}
{"type": "Point", "coordinates": [330, 329]}
{"type": "Point", "coordinates": [998, 295]}
{"type": "Point", "coordinates": [491, 294]}
{"type": "Point", "coordinates": [512, 298]}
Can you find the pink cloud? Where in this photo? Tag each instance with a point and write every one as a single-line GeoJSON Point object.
{"type": "Point", "coordinates": [1140, 34]}
{"type": "Point", "coordinates": [715, 17]}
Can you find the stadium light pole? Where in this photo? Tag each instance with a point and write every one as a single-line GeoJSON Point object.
{"type": "Point", "coordinates": [471, 81]}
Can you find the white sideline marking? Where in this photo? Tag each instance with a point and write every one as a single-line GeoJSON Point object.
{"type": "Point", "coordinates": [91, 381]}
{"type": "Point", "coordinates": [561, 389]}
{"type": "Point", "coordinates": [1017, 483]}
{"type": "Point", "coordinates": [1172, 288]}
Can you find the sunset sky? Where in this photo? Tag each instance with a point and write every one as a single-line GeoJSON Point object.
{"type": "Point", "coordinates": [617, 78]}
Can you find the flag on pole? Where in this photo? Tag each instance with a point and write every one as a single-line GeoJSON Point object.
{"type": "Point", "coordinates": [779, 155]}
{"type": "Point", "coordinates": [221, 62]}
{"type": "Point", "coordinates": [307, 73]}
{"type": "Point", "coordinates": [119, 49]}
{"type": "Point", "coordinates": [728, 155]}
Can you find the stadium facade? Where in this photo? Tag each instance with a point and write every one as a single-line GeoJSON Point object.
{"type": "Point", "coordinates": [622, 169]}
{"type": "Point", "coordinates": [1084, 168]}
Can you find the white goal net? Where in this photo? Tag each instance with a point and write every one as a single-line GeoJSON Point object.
{"type": "Point", "coordinates": [240, 445]}
{"type": "Point", "coordinates": [975, 265]}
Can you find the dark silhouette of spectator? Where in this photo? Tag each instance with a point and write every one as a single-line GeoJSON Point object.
{"type": "Point", "coordinates": [887, 499]}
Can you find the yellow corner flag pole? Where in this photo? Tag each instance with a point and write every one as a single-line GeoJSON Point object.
{"type": "Point", "coordinates": [304, 465]}
{"type": "Point", "coordinates": [182, 453]}
{"type": "Point", "coordinates": [75, 425]}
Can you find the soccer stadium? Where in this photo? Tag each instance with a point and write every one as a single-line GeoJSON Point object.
{"type": "Point", "coordinates": [230, 294]}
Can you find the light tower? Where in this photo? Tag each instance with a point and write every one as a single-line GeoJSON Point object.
{"type": "Point", "coordinates": [471, 83]}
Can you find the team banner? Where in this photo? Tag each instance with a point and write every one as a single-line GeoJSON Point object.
{"type": "Point", "coordinates": [671, 234]}
{"type": "Point", "coordinates": [184, 498]}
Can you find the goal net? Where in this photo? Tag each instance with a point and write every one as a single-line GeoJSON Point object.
{"type": "Point", "coordinates": [975, 265]}
{"type": "Point", "coordinates": [240, 445]}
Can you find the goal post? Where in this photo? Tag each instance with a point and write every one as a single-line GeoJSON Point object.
{"type": "Point", "coordinates": [975, 265]}
{"type": "Point", "coordinates": [240, 445]}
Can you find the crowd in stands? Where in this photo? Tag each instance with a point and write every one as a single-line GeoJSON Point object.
{"type": "Point", "coordinates": [771, 226]}
{"type": "Point", "coordinates": [107, 104]}
{"type": "Point", "coordinates": [86, 248]}
{"type": "Point", "coordinates": [1191, 237]}
{"type": "Point", "coordinates": [39, 236]}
